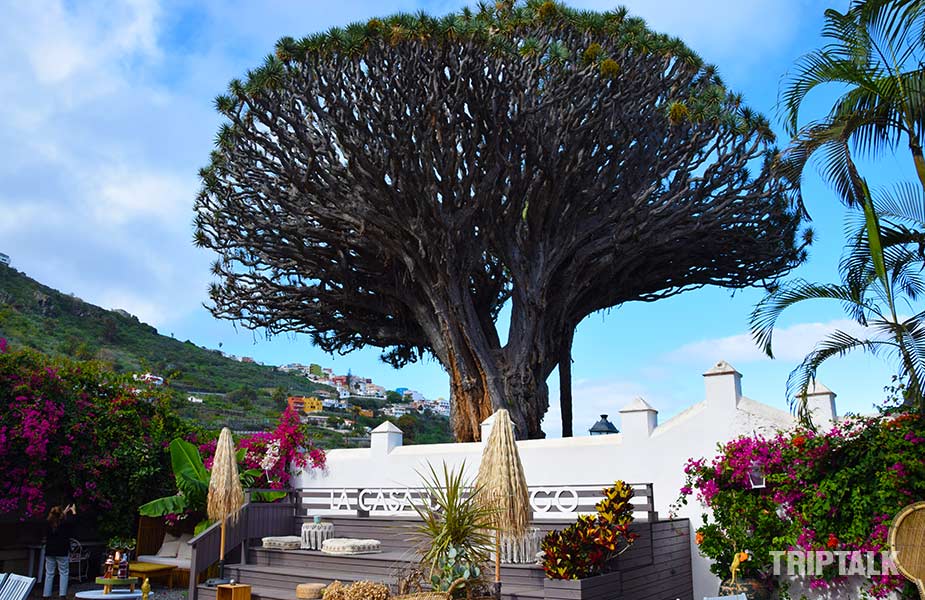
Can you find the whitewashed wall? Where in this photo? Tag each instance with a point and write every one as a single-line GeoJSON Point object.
{"type": "Point", "coordinates": [644, 452]}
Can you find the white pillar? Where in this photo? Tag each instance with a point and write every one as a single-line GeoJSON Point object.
{"type": "Point", "coordinates": [723, 387]}
{"type": "Point", "coordinates": [820, 404]}
{"type": "Point", "coordinates": [384, 438]}
{"type": "Point", "coordinates": [638, 420]}
{"type": "Point", "coordinates": [487, 424]}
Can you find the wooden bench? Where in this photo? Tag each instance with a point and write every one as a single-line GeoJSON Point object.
{"type": "Point", "coordinates": [151, 532]}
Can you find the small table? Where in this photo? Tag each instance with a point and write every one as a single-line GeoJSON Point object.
{"type": "Point", "coordinates": [114, 595]}
{"type": "Point", "coordinates": [144, 569]}
{"type": "Point", "coordinates": [237, 591]}
{"type": "Point", "coordinates": [108, 583]}
{"type": "Point", "coordinates": [313, 534]}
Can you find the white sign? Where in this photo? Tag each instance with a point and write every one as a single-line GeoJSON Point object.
{"type": "Point", "coordinates": [558, 500]}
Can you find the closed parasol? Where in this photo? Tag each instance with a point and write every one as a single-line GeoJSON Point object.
{"type": "Point", "coordinates": [502, 487]}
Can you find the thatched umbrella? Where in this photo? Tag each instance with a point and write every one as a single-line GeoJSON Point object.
{"type": "Point", "coordinates": [502, 487]}
{"type": "Point", "coordinates": [226, 497]}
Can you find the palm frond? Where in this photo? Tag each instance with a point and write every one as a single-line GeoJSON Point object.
{"type": "Point", "coordinates": [765, 315]}
{"type": "Point", "coordinates": [838, 343]}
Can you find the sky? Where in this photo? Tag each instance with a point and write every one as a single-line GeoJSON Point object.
{"type": "Point", "coordinates": [107, 117]}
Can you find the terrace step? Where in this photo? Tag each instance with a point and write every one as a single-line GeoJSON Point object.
{"type": "Point", "coordinates": [293, 565]}
{"type": "Point", "coordinates": [274, 574]}
{"type": "Point", "coordinates": [263, 592]}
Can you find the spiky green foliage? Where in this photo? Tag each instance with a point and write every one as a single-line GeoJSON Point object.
{"type": "Point", "coordinates": [454, 529]}
{"type": "Point", "coordinates": [877, 281]}
{"type": "Point", "coordinates": [876, 49]}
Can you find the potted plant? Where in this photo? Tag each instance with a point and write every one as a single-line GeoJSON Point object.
{"type": "Point", "coordinates": [455, 536]}
{"type": "Point", "coordinates": [581, 556]}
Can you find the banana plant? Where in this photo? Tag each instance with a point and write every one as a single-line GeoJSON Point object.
{"type": "Point", "coordinates": [192, 480]}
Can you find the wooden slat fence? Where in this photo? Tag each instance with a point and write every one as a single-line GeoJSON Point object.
{"type": "Point", "coordinates": [255, 520]}
{"type": "Point", "coordinates": [548, 502]}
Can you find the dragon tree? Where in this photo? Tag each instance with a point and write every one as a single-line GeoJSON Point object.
{"type": "Point", "coordinates": [395, 183]}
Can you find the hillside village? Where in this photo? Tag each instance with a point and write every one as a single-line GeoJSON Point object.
{"type": "Point", "coordinates": [398, 402]}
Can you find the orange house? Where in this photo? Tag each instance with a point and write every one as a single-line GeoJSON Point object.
{"type": "Point", "coordinates": [308, 404]}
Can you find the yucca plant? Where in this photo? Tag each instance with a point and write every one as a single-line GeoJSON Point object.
{"type": "Point", "coordinates": [455, 532]}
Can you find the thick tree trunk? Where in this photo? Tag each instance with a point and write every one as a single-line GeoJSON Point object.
{"type": "Point", "coordinates": [482, 381]}
{"type": "Point", "coordinates": [485, 377]}
{"type": "Point", "coordinates": [565, 382]}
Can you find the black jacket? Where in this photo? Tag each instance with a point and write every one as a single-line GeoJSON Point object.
{"type": "Point", "coordinates": [58, 540]}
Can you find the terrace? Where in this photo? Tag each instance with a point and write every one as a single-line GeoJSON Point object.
{"type": "Point", "coordinates": [657, 566]}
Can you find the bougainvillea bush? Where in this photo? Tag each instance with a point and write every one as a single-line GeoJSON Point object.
{"type": "Point", "coordinates": [275, 453]}
{"type": "Point", "coordinates": [836, 490]}
{"type": "Point", "coordinates": [76, 432]}
{"type": "Point", "coordinates": [266, 461]}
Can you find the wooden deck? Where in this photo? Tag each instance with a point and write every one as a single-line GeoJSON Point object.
{"type": "Point", "coordinates": [657, 567]}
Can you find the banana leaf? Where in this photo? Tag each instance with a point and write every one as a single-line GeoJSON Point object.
{"type": "Point", "coordinates": [164, 506]}
{"type": "Point", "coordinates": [189, 471]}
{"type": "Point", "coordinates": [267, 496]}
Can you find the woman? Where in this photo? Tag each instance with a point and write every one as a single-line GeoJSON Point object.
{"type": "Point", "coordinates": [58, 534]}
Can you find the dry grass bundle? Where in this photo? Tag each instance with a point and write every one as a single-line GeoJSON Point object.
{"type": "Point", "coordinates": [360, 590]}
{"type": "Point", "coordinates": [501, 484]}
{"type": "Point", "coordinates": [226, 497]}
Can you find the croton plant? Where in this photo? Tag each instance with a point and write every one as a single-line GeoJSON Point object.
{"type": "Point", "coordinates": [586, 547]}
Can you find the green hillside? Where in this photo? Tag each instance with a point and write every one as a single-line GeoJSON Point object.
{"type": "Point", "coordinates": [35, 315]}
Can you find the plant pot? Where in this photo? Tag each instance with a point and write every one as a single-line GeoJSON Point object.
{"type": "Point", "coordinates": [600, 587]}
{"type": "Point", "coordinates": [753, 588]}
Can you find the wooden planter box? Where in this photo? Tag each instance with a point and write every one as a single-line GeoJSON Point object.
{"type": "Point", "coordinates": [602, 587]}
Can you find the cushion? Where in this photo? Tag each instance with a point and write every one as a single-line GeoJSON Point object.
{"type": "Point", "coordinates": [283, 542]}
{"type": "Point", "coordinates": [160, 560]}
{"type": "Point", "coordinates": [169, 547]}
{"type": "Point", "coordinates": [309, 591]}
{"type": "Point", "coordinates": [349, 546]}
{"type": "Point", "coordinates": [186, 551]}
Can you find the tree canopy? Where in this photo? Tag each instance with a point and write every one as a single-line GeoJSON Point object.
{"type": "Point", "coordinates": [395, 183]}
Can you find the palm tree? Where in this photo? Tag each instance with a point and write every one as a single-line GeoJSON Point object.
{"type": "Point", "coordinates": [875, 49]}
{"type": "Point", "coordinates": [876, 281]}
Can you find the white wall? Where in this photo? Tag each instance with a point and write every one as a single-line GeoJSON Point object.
{"type": "Point", "coordinates": [644, 452]}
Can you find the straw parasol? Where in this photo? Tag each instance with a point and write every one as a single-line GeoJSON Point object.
{"type": "Point", "coordinates": [502, 487]}
{"type": "Point", "coordinates": [226, 497]}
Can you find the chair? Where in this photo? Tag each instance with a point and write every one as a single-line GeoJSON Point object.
{"type": "Point", "coordinates": [16, 587]}
{"type": "Point", "coordinates": [78, 555]}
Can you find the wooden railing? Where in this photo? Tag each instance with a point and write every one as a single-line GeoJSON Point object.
{"type": "Point", "coordinates": [550, 502]}
{"type": "Point", "coordinates": [255, 520]}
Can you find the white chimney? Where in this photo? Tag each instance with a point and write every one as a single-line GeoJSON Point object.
{"type": "Point", "coordinates": [723, 387]}
{"type": "Point", "coordinates": [487, 424]}
{"type": "Point", "coordinates": [384, 438]}
{"type": "Point", "coordinates": [638, 420]}
{"type": "Point", "coordinates": [820, 404]}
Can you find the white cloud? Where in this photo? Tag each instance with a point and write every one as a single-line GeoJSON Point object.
{"type": "Point", "coordinates": [125, 193]}
{"type": "Point", "coordinates": [148, 311]}
{"type": "Point", "coordinates": [789, 344]}
{"type": "Point", "coordinates": [74, 51]}
{"type": "Point", "coordinates": [722, 30]}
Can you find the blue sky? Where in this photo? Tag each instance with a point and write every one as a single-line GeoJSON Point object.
{"type": "Point", "coordinates": [107, 116]}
